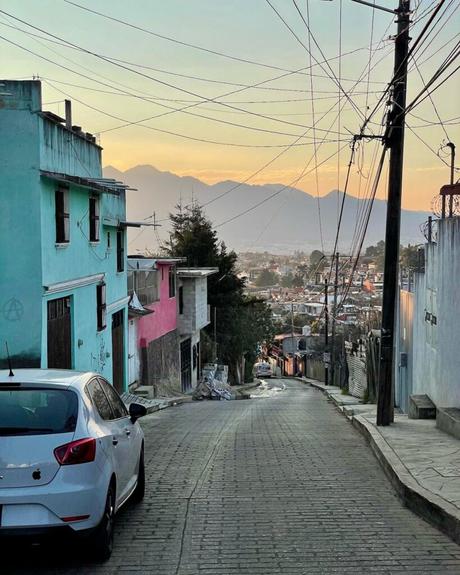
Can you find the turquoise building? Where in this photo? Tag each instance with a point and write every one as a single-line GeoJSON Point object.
{"type": "Point", "coordinates": [63, 284]}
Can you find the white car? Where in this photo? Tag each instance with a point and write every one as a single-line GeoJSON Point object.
{"type": "Point", "coordinates": [70, 455]}
{"type": "Point", "coordinates": [263, 369]}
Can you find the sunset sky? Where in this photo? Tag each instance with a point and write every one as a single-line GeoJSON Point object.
{"type": "Point", "coordinates": [245, 29]}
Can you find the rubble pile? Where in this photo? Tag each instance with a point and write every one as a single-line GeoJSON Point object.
{"type": "Point", "coordinates": [214, 384]}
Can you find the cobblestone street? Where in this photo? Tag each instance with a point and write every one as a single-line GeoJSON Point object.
{"type": "Point", "coordinates": [280, 484]}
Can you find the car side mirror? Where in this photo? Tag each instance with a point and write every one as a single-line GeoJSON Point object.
{"type": "Point", "coordinates": [136, 410]}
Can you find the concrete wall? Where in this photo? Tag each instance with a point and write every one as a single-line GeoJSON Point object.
{"type": "Point", "coordinates": [160, 364]}
{"type": "Point", "coordinates": [20, 299]}
{"type": "Point", "coordinates": [436, 326]}
{"type": "Point", "coordinates": [404, 357]}
{"type": "Point", "coordinates": [187, 320]}
{"type": "Point", "coordinates": [201, 302]}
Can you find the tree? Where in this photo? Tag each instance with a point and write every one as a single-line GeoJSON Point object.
{"type": "Point", "coordinates": [286, 280]}
{"type": "Point", "coordinates": [317, 261]}
{"type": "Point", "coordinates": [243, 323]}
{"type": "Point", "coordinates": [266, 278]}
{"type": "Point", "coordinates": [409, 257]}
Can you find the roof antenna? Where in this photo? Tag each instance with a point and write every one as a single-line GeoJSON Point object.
{"type": "Point", "coordinates": [11, 374]}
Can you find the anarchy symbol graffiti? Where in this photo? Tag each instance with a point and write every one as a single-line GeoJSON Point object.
{"type": "Point", "coordinates": [13, 310]}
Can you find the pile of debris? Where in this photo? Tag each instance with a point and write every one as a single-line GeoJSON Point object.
{"type": "Point", "coordinates": [214, 383]}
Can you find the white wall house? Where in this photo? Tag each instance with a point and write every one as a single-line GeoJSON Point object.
{"type": "Point", "coordinates": [193, 316]}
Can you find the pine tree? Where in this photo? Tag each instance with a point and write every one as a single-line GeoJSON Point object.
{"type": "Point", "coordinates": [243, 323]}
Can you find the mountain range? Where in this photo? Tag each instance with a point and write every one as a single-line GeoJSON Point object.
{"type": "Point", "coordinates": [286, 222]}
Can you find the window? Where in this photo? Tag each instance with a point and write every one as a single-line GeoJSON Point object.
{"type": "Point", "coordinates": [181, 300]}
{"type": "Point", "coordinates": [61, 200]}
{"type": "Point", "coordinates": [94, 219]}
{"type": "Point", "coordinates": [120, 251]}
{"type": "Point", "coordinates": [147, 286]}
{"type": "Point", "coordinates": [36, 411]}
{"type": "Point", "coordinates": [172, 282]}
{"type": "Point", "coordinates": [101, 306]}
{"type": "Point", "coordinates": [108, 241]}
{"type": "Point", "coordinates": [99, 399]}
{"type": "Point", "coordinates": [118, 407]}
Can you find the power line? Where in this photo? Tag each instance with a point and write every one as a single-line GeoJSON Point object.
{"type": "Point", "coordinates": [302, 71]}
{"type": "Point", "coordinates": [180, 42]}
{"type": "Point", "coordinates": [177, 134]}
{"type": "Point", "coordinates": [161, 82]}
{"type": "Point", "coordinates": [332, 75]}
{"type": "Point", "coordinates": [181, 101]}
{"type": "Point", "coordinates": [303, 174]}
{"type": "Point", "coordinates": [315, 151]}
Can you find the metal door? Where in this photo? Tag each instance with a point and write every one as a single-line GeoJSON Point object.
{"type": "Point", "coordinates": [59, 334]}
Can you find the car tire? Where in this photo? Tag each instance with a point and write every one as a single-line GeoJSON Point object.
{"type": "Point", "coordinates": [139, 491]}
{"type": "Point", "coordinates": [102, 539]}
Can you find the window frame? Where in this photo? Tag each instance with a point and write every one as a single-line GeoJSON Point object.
{"type": "Point", "coordinates": [94, 219]}
{"type": "Point", "coordinates": [120, 250]}
{"type": "Point", "coordinates": [172, 282]}
{"type": "Point", "coordinates": [62, 215]}
{"type": "Point", "coordinates": [101, 306]}
{"type": "Point", "coordinates": [180, 293]}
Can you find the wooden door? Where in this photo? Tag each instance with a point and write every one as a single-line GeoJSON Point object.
{"type": "Point", "coordinates": [118, 351]}
{"type": "Point", "coordinates": [59, 334]}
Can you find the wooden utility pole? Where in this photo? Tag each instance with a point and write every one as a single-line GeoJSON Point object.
{"type": "Point", "coordinates": [334, 314]}
{"type": "Point", "coordinates": [395, 141]}
{"type": "Point", "coordinates": [326, 334]}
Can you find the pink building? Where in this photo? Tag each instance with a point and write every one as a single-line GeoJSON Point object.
{"type": "Point", "coordinates": [153, 354]}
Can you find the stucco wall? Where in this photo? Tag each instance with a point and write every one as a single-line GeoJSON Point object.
{"type": "Point", "coordinates": [20, 256]}
{"type": "Point", "coordinates": [164, 318]}
{"type": "Point", "coordinates": [436, 359]}
{"type": "Point", "coordinates": [29, 257]}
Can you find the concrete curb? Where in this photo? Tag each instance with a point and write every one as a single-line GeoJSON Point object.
{"type": "Point", "coordinates": [428, 505]}
{"type": "Point", "coordinates": [437, 511]}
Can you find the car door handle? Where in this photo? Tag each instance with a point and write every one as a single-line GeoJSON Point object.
{"type": "Point", "coordinates": [114, 441]}
{"type": "Point", "coordinates": [128, 432]}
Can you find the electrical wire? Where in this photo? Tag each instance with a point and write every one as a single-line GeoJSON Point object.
{"type": "Point", "coordinates": [303, 71]}
{"type": "Point", "coordinates": [295, 181]}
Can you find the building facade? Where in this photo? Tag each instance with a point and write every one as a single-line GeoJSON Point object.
{"type": "Point", "coordinates": [154, 339]}
{"type": "Point", "coordinates": [193, 316]}
{"type": "Point", "coordinates": [63, 287]}
{"type": "Point", "coordinates": [427, 360]}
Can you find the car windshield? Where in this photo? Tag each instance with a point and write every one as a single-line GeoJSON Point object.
{"type": "Point", "coordinates": [36, 411]}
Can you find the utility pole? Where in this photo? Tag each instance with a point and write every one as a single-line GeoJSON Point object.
{"type": "Point", "coordinates": [395, 141]}
{"type": "Point", "coordinates": [334, 314]}
{"type": "Point", "coordinates": [326, 334]}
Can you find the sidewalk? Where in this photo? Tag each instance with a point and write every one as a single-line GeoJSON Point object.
{"type": "Point", "coordinates": [422, 462]}
{"type": "Point", "coordinates": [152, 405]}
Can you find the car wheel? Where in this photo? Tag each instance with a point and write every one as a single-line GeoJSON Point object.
{"type": "Point", "coordinates": [102, 540]}
{"type": "Point", "coordinates": [139, 492]}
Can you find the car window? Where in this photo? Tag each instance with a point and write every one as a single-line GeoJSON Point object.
{"type": "Point", "coordinates": [36, 411]}
{"type": "Point", "coordinates": [118, 407]}
{"type": "Point", "coordinates": [97, 395]}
